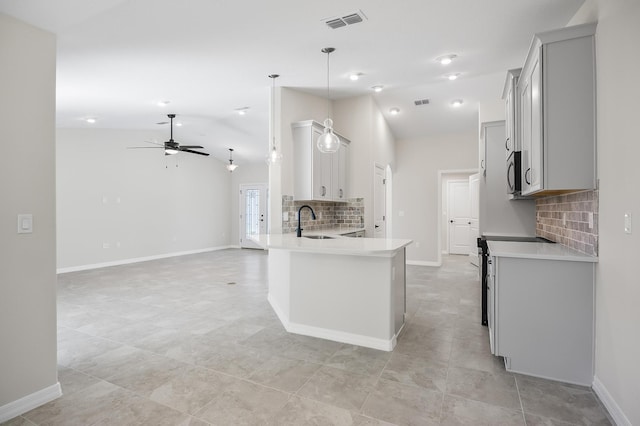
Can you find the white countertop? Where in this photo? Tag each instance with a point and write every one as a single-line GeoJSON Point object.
{"type": "Point", "coordinates": [336, 245]}
{"type": "Point", "coordinates": [530, 250]}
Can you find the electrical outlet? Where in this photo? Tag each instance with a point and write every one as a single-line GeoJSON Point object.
{"type": "Point", "coordinates": [106, 245]}
{"type": "Point", "coordinates": [627, 223]}
{"type": "Point", "coordinates": [564, 219]}
{"type": "Point", "coordinates": [590, 220]}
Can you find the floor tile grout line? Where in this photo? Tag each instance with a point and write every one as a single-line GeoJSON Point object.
{"type": "Point", "coordinates": [524, 418]}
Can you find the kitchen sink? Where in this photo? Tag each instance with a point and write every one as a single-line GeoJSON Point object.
{"type": "Point", "coordinates": [319, 237]}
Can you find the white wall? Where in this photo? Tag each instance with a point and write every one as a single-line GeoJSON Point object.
{"type": "Point", "coordinates": [618, 270]}
{"type": "Point", "coordinates": [27, 264]}
{"type": "Point", "coordinates": [245, 173]}
{"type": "Point", "coordinates": [360, 121]}
{"type": "Point", "coordinates": [415, 188]}
{"type": "Point", "coordinates": [290, 106]}
{"type": "Point", "coordinates": [138, 201]}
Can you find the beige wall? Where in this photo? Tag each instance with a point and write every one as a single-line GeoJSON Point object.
{"type": "Point", "coordinates": [415, 188]}
{"type": "Point", "coordinates": [618, 271]}
{"type": "Point", "coordinates": [28, 261]}
{"type": "Point", "coordinates": [139, 202]}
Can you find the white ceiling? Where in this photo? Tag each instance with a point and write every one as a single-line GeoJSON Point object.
{"type": "Point", "coordinates": [118, 58]}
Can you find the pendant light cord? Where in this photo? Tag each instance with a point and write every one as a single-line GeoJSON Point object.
{"type": "Point", "coordinates": [328, 100]}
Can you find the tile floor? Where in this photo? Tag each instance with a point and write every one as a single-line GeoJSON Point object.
{"type": "Point", "coordinates": [193, 341]}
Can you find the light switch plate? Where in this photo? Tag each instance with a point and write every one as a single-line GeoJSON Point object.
{"type": "Point", "coordinates": [25, 223]}
{"type": "Point", "coordinates": [627, 223]}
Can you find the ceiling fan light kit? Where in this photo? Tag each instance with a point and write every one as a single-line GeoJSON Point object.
{"type": "Point", "coordinates": [328, 142]}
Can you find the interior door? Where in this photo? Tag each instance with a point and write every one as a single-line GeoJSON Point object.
{"type": "Point", "coordinates": [253, 213]}
{"type": "Point", "coordinates": [379, 202]}
{"type": "Point", "coordinates": [459, 215]}
{"type": "Point", "coordinates": [474, 226]}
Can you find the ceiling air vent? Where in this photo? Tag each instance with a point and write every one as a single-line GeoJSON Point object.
{"type": "Point", "coordinates": [343, 21]}
{"type": "Point", "coordinates": [421, 102]}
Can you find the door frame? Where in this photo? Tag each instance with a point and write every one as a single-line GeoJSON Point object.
{"type": "Point", "coordinates": [377, 166]}
{"type": "Point", "coordinates": [241, 216]}
{"type": "Point", "coordinates": [448, 209]}
{"type": "Point", "coordinates": [442, 177]}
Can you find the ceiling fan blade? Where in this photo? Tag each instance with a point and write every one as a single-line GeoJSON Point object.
{"type": "Point", "coordinates": [144, 147]}
{"type": "Point", "coordinates": [193, 152]}
{"type": "Point", "coordinates": [155, 143]}
{"type": "Point", "coordinates": [191, 146]}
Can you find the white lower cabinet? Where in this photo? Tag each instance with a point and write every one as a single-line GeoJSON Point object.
{"type": "Point", "coordinates": [541, 317]}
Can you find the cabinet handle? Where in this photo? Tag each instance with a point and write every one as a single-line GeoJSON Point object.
{"type": "Point", "coordinates": [324, 190]}
{"type": "Point", "coordinates": [509, 184]}
{"type": "Point", "coordinates": [506, 144]}
{"type": "Point", "coordinates": [341, 192]}
{"type": "Point", "coordinates": [526, 179]}
{"type": "Point", "coordinates": [482, 164]}
{"type": "Point", "coordinates": [469, 223]}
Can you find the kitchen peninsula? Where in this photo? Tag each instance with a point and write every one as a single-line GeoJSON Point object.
{"type": "Point", "coordinates": [350, 290]}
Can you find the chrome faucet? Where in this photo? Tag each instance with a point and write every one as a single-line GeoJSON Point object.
{"type": "Point", "coordinates": [313, 216]}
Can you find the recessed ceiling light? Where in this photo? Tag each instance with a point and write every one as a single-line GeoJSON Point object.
{"type": "Point", "coordinates": [90, 120]}
{"type": "Point", "coordinates": [453, 76]}
{"type": "Point", "coordinates": [457, 103]}
{"type": "Point", "coordinates": [178, 124]}
{"type": "Point", "coordinates": [242, 111]}
{"type": "Point", "coordinates": [377, 89]}
{"type": "Point", "coordinates": [354, 77]}
{"type": "Point", "coordinates": [446, 59]}
{"type": "Point", "coordinates": [394, 111]}
{"type": "Point", "coordinates": [163, 103]}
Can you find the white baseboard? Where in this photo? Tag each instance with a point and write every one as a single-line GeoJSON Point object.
{"type": "Point", "coordinates": [29, 402]}
{"type": "Point", "coordinates": [423, 263]}
{"type": "Point", "coordinates": [334, 335]}
{"type": "Point", "coordinates": [610, 404]}
{"type": "Point", "coordinates": [137, 259]}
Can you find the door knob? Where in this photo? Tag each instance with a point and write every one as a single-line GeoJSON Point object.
{"type": "Point", "coordinates": [377, 226]}
{"type": "Point", "coordinates": [451, 221]}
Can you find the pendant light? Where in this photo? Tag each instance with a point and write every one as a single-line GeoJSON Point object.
{"type": "Point", "coordinates": [231, 167]}
{"type": "Point", "coordinates": [274, 156]}
{"type": "Point", "coordinates": [328, 142]}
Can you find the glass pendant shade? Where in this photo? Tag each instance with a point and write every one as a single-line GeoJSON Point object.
{"type": "Point", "coordinates": [328, 142]}
{"type": "Point", "coordinates": [170, 151]}
{"type": "Point", "coordinates": [231, 167]}
{"type": "Point", "coordinates": [274, 156]}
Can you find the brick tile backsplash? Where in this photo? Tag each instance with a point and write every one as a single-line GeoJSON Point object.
{"type": "Point", "coordinates": [328, 214]}
{"type": "Point", "coordinates": [575, 232]}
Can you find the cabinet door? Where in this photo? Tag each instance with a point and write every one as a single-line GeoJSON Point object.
{"type": "Point", "coordinates": [509, 125]}
{"type": "Point", "coordinates": [491, 305]}
{"type": "Point", "coordinates": [525, 133]}
{"type": "Point", "coordinates": [536, 166]}
{"type": "Point", "coordinates": [340, 170]}
{"type": "Point", "coordinates": [321, 170]}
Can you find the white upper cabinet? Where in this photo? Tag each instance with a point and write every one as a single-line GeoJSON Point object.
{"type": "Point", "coordinates": [318, 176]}
{"type": "Point", "coordinates": [512, 111]}
{"type": "Point", "coordinates": [557, 112]}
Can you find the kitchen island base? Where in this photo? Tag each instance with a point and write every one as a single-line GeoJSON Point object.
{"type": "Point", "coordinates": [355, 299]}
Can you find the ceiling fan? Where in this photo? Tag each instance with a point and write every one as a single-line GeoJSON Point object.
{"type": "Point", "coordinates": [172, 147]}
